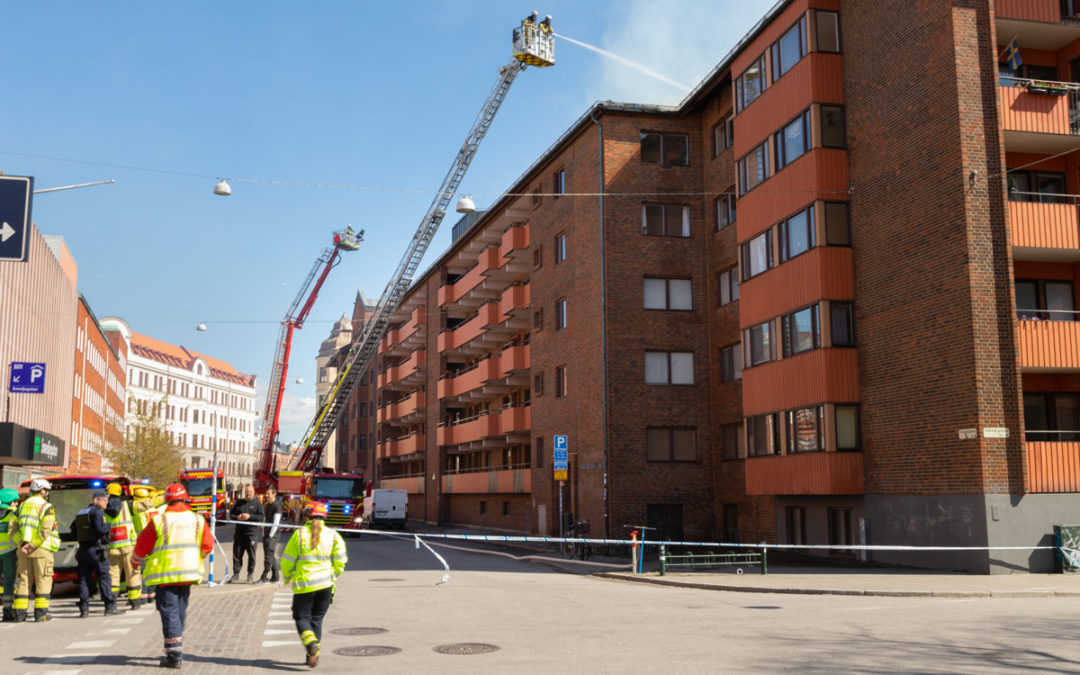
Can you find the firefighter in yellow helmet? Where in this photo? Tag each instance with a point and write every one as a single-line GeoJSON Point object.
{"type": "Point", "coordinates": [122, 535]}
{"type": "Point", "coordinates": [37, 537]}
{"type": "Point", "coordinates": [314, 557]}
{"type": "Point", "coordinates": [143, 511]}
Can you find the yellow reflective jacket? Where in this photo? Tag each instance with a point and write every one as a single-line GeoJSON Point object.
{"type": "Point", "coordinates": [37, 525]}
{"type": "Point", "coordinates": [313, 566]}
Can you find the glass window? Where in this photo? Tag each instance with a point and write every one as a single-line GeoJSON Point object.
{"type": "Point", "coordinates": [656, 368]}
{"type": "Point", "coordinates": [670, 444]}
{"type": "Point", "coordinates": [806, 429]}
{"type": "Point", "coordinates": [560, 314]}
{"type": "Point", "coordinates": [670, 220]}
{"type": "Point", "coordinates": [669, 367]}
{"type": "Point", "coordinates": [1045, 299]}
{"type": "Point", "coordinates": [671, 149]}
{"type": "Point", "coordinates": [655, 293]}
{"type": "Point", "coordinates": [842, 317]}
{"type": "Point", "coordinates": [727, 283]}
{"type": "Point", "coordinates": [731, 363]}
{"type": "Point", "coordinates": [847, 427]}
{"type": "Point", "coordinates": [801, 333]}
{"type": "Point", "coordinates": [789, 49]}
{"type": "Point", "coordinates": [761, 438]}
{"type": "Point", "coordinates": [759, 344]}
{"type": "Point", "coordinates": [797, 234]}
{"type": "Point", "coordinates": [560, 182]}
{"type": "Point", "coordinates": [683, 445]}
{"type": "Point", "coordinates": [1019, 186]}
{"type": "Point", "coordinates": [754, 168]}
{"type": "Point", "coordinates": [682, 367]}
{"type": "Point", "coordinates": [828, 31]}
{"type": "Point", "coordinates": [560, 247]}
{"type": "Point", "coordinates": [751, 83]}
{"type": "Point", "coordinates": [725, 209]}
{"type": "Point", "coordinates": [650, 147]}
{"type": "Point", "coordinates": [560, 381]}
{"type": "Point", "coordinates": [1059, 297]}
{"type": "Point", "coordinates": [757, 255]}
{"type": "Point", "coordinates": [731, 437]}
{"type": "Point", "coordinates": [1050, 185]}
{"type": "Point", "coordinates": [837, 232]}
{"type": "Point", "coordinates": [718, 139]}
{"type": "Point", "coordinates": [832, 127]}
{"type": "Point", "coordinates": [1027, 299]}
{"type": "Point", "coordinates": [681, 293]}
{"type": "Point", "coordinates": [793, 141]}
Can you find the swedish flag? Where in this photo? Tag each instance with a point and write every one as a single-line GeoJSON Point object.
{"type": "Point", "coordinates": [1012, 54]}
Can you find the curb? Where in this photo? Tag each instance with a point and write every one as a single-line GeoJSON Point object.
{"type": "Point", "coordinates": [827, 591]}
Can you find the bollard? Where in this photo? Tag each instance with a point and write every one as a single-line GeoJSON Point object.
{"type": "Point", "coordinates": [633, 551]}
{"type": "Point", "coordinates": [764, 559]}
{"type": "Point", "coordinates": [663, 560]}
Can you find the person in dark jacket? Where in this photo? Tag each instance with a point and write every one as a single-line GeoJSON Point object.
{"type": "Point", "coordinates": [247, 509]}
{"type": "Point", "coordinates": [273, 512]}
{"type": "Point", "coordinates": [93, 534]}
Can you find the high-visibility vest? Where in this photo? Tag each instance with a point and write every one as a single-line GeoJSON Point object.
{"type": "Point", "coordinates": [176, 557]}
{"type": "Point", "coordinates": [7, 524]}
{"type": "Point", "coordinates": [37, 525]}
{"type": "Point", "coordinates": [313, 567]}
{"type": "Point", "coordinates": [144, 513]}
{"type": "Point", "coordinates": [121, 528]}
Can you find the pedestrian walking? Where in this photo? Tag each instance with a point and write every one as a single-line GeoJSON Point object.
{"type": "Point", "coordinates": [122, 537]}
{"type": "Point", "coordinates": [248, 509]}
{"type": "Point", "coordinates": [38, 539]}
{"type": "Point", "coordinates": [173, 546]}
{"type": "Point", "coordinates": [9, 498]}
{"type": "Point", "coordinates": [272, 513]}
{"type": "Point", "coordinates": [313, 559]}
{"type": "Point", "coordinates": [92, 533]}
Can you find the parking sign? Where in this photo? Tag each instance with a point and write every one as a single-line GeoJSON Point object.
{"type": "Point", "coordinates": [27, 378]}
{"type": "Point", "coordinates": [561, 462]}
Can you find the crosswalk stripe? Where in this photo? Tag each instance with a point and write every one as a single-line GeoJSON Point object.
{"type": "Point", "coordinates": [71, 658]}
{"type": "Point", "coordinates": [126, 621]}
{"type": "Point", "coordinates": [278, 643]}
{"type": "Point", "coordinates": [277, 631]}
{"type": "Point", "coordinates": [279, 622]}
{"type": "Point", "coordinates": [90, 644]}
{"type": "Point", "coordinates": [280, 614]}
{"type": "Point", "coordinates": [116, 631]}
{"type": "Point", "coordinates": [56, 672]}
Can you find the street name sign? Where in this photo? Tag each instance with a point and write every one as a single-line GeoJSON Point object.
{"type": "Point", "coordinates": [15, 196]}
{"type": "Point", "coordinates": [27, 378]}
{"type": "Point", "coordinates": [561, 463]}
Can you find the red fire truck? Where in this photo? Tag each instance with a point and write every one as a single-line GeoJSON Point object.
{"type": "Point", "coordinates": [343, 494]}
{"type": "Point", "coordinates": [198, 483]}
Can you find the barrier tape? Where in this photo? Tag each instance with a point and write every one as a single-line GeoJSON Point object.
{"type": "Point", "coordinates": [446, 575]}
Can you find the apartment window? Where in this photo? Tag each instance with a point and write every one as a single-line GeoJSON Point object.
{"type": "Point", "coordinates": [806, 429]}
{"type": "Point", "coordinates": [729, 130]}
{"type": "Point", "coordinates": [538, 256]}
{"type": "Point", "coordinates": [665, 220]}
{"type": "Point", "coordinates": [731, 363]}
{"type": "Point", "coordinates": [723, 135]}
{"type": "Point", "coordinates": [827, 25]}
{"type": "Point", "coordinates": [539, 452]}
{"type": "Point", "coordinates": [483, 507]}
{"type": "Point", "coordinates": [560, 314]}
{"type": "Point", "coordinates": [560, 247]}
{"type": "Point", "coordinates": [538, 319]}
{"type": "Point", "coordinates": [671, 444]}
{"type": "Point", "coordinates": [506, 508]}
{"type": "Point", "coordinates": [847, 427]}
{"type": "Point", "coordinates": [727, 286]}
{"type": "Point", "coordinates": [560, 381]}
{"type": "Point", "coordinates": [796, 234]}
{"type": "Point", "coordinates": [840, 532]}
{"type": "Point", "coordinates": [761, 436]}
{"type": "Point", "coordinates": [833, 134]}
{"type": "Point", "coordinates": [670, 149]}
{"type": "Point", "coordinates": [725, 209]}
{"type": "Point", "coordinates": [559, 186]}
{"type": "Point", "coordinates": [669, 367]}
{"type": "Point", "coordinates": [795, 521]}
{"type": "Point", "coordinates": [842, 324]}
{"type": "Point", "coordinates": [731, 435]}
{"type": "Point", "coordinates": [750, 84]}
{"type": "Point", "coordinates": [758, 341]}
{"type": "Point", "coordinates": [1036, 186]}
{"type": "Point", "coordinates": [801, 331]}
{"type": "Point", "coordinates": [753, 169]}
{"type": "Point", "coordinates": [538, 384]}
{"type": "Point", "coordinates": [1045, 299]}
{"type": "Point", "coordinates": [536, 198]}
{"type": "Point", "coordinates": [789, 49]}
{"type": "Point", "coordinates": [1053, 416]}
{"type": "Point", "coordinates": [837, 228]}
{"type": "Point", "coordinates": [793, 141]}
{"type": "Point", "coordinates": [757, 255]}
{"type": "Point", "coordinates": [675, 294]}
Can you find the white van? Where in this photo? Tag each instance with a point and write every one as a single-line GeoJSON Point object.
{"type": "Point", "coordinates": [386, 508]}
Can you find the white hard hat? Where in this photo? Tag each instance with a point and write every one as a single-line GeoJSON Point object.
{"type": "Point", "coordinates": [39, 484]}
{"type": "Point", "coordinates": [547, 18]}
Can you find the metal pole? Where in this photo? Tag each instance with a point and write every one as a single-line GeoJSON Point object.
{"type": "Point", "coordinates": [213, 515]}
{"type": "Point", "coordinates": [561, 534]}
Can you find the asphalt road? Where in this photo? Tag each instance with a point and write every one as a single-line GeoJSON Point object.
{"type": "Point", "coordinates": [543, 620]}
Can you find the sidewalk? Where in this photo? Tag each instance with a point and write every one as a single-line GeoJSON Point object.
{"type": "Point", "coordinates": [830, 581]}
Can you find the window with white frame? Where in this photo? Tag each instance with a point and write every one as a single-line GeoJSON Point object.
{"type": "Point", "coordinates": [727, 286]}
{"type": "Point", "coordinates": [674, 294]}
{"type": "Point", "coordinates": [665, 220]}
{"type": "Point", "coordinates": [669, 367]}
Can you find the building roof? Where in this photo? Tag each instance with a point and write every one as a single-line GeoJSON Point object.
{"type": "Point", "coordinates": [182, 357]}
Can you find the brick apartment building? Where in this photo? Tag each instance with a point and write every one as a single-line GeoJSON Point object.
{"type": "Point", "coordinates": [353, 441]}
{"type": "Point", "coordinates": [828, 298]}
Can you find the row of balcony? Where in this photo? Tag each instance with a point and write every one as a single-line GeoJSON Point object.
{"type": "Point", "coordinates": [495, 267]}
{"type": "Point", "coordinates": [515, 480]}
{"type": "Point", "coordinates": [407, 337]}
{"type": "Point", "coordinates": [494, 323]}
{"type": "Point", "coordinates": [406, 374]}
{"type": "Point", "coordinates": [489, 429]}
{"type": "Point", "coordinates": [507, 368]}
{"type": "Point", "coordinates": [1058, 12]}
{"type": "Point", "coordinates": [405, 411]}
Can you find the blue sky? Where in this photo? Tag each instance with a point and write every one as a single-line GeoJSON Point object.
{"type": "Point", "coordinates": [366, 94]}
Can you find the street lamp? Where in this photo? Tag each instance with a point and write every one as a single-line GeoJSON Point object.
{"type": "Point", "coordinates": [223, 188]}
{"type": "Point", "coordinates": [72, 187]}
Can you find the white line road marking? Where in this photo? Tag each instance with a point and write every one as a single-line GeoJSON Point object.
{"type": "Point", "coordinates": [278, 631]}
{"type": "Point", "coordinates": [280, 614]}
{"type": "Point", "coordinates": [127, 622]}
{"type": "Point", "coordinates": [71, 658]}
{"type": "Point", "coordinates": [279, 622]}
{"type": "Point", "coordinates": [57, 672]}
{"type": "Point", "coordinates": [116, 631]}
{"type": "Point", "coordinates": [90, 644]}
{"type": "Point", "coordinates": [278, 643]}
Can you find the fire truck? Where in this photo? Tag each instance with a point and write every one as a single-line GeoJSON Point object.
{"type": "Point", "coordinates": [342, 493]}
{"type": "Point", "coordinates": [199, 486]}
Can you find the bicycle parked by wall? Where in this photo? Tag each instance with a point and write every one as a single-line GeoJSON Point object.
{"type": "Point", "coordinates": [574, 530]}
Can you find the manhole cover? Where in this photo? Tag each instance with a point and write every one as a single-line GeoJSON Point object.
{"type": "Point", "coordinates": [358, 630]}
{"type": "Point", "coordinates": [389, 579]}
{"type": "Point", "coordinates": [366, 650]}
{"type": "Point", "coordinates": [466, 648]}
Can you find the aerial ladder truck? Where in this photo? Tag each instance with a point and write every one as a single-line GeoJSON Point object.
{"type": "Point", "coordinates": [533, 44]}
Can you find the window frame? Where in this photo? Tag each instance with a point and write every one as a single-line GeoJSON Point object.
{"type": "Point", "coordinates": [1042, 312]}
{"type": "Point", "coordinates": [768, 344]}
{"type": "Point", "coordinates": [763, 157]}
{"type": "Point", "coordinates": [670, 445]}
{"type": "Point", "coordinates": [685, 223]}
{"type": "Point", "coordinates": [858, 426]}
{"type": "Point", "coordinates": [776, 51]}
{"type": "Point", "coordinates": [560, 247]}
{"type": "Point", "coordinates": [761, 64]}
{"type": "Point", "coordinates": [667, 295]}
{"type": "Point", "coordinates": [560, 313]}
{"type": "Point", "coordinates": [664, 139]}
{"type": "Point", "coordinates": [559, 183]}
{"type": "Point", "coordinates": [790, 425]}
{"type": "Point", "coordinates": [731, 362]}
{"type": "Point", "coordinates": [560, 381]}
{"type": "Point", "coordinates": [781, 157]}
{"type": "Point", "coordinates": [784, 231]}
{"type": "Point", "coordinates": [745, 257]}
{"type": "Point", "coordinates": [725, 204]}
{"type": "Point", "coordinates": [669, 368]}
{"type": "Point", "coordinates": [788, 343]}
{"type": "Point", "coordinates": [728, 281]}
{"type": "Point", "coordinates": [771, 440]}
{"type": "Point", "coordinates": [828, 223]}
{"type": "Point", "coordinates": [817, 32]}
{"type": "Point", "coordinates": [849, 308]}
{"type": "Point", "coordinates": [822, 107]}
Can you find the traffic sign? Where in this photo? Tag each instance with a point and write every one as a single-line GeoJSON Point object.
{"type": "Point", "coordinates": [561, 463]}
{"type": "Point", "coordinates": [27, 378]}
{"type": "Point", "coordinates": [15, 196]}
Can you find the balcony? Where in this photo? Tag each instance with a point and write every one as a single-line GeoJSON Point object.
{"type": "Point", "coordinates": [814, 473]}
{"type": "Point", "coordinates": [468, 381]}
{"type": "Point", "coordinates": [473, 288]}
{"type": "Point", "coordinates": [1045, 232]}
{"type": "Point", "coordinates": [413, 484]}
{"type": "Point", "coordinates": [406, 374]}
{"type": "Point", "coordinates": [473, 430]}
{"type": "Point", "coordinates": [405, 411]}
{"type": "Point", "coordinates": [513, 360]}
{"type": "Point", "coordinates": [514, 305]}
{"type": "Point", "coordinates": [403, 446]}
{"type": "Point", "coordinates": [506, 481]}
{"type": "Point", "coordinates": [407, 337]}
{"type": "Point", "coordinates": [488, 327]}
{"type": "Point", "coordinates": [1053, 466]}
{"type": "Point", "coordinates": [1048, 346]}
{"type": "Point", "coordinates": [515, 244]}
{"type": "Point", "coordinates": [1040, 24]}
{"type": "Point", "coordinates": [515, 420]}
{"type": "Point", "coordinates": [1040, 123]}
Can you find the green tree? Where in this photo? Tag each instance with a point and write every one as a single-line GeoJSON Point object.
{"type": "Point", "coordinates": [146, 450]}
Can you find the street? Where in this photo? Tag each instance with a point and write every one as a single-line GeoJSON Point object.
{"type": "Point", "coordinates": [542, 619]}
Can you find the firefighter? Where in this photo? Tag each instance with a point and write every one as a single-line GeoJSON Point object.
{"type": "Point", "coordinates": [314, 557]}
{"type": "Point", "coordinates": [122, 537]}
{"type": "Point", "coordinates": [145, 508]}
{"type": "Point", "coordinates": [173, 546]}
{"type": "Point", "coordinates": [545, 26]}
{"type": "Point", "coordinates": [9, 498]}
{"type": "Point", "coordinates": [92, 533]}
{"type": "Point", "coordinates": [37, 537]}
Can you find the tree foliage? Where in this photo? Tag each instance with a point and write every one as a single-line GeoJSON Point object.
{"type": "Point", "coordinates": [146, 450]}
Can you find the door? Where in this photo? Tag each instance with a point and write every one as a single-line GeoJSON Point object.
{"type": "Point", "coordinates": [666, 521]}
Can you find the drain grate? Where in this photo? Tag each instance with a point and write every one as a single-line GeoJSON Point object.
{"type": "Point", "coordinates": [358, 630]}
{"type": "Point", "coordinates": [760, 607]}
{"type": "Point", "coordinates": [366, 650]}
{"type": "Point", "coordinates": [466, 648]}
{"type": "Point", "coordinates": [388, 579]}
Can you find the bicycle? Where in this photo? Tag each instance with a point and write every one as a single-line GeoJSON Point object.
{"type": "Point", "coordinates": [572, 549]}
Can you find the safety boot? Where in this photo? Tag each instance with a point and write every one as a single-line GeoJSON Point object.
{"type": "Point", "coordinates": [312, 659]}
{"type": "Point", "coordinates": [41, 615]}
{"type": "Point", "coordinates": [20, 615]}
{"type": "Point", "coordinates": [9, 615]}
